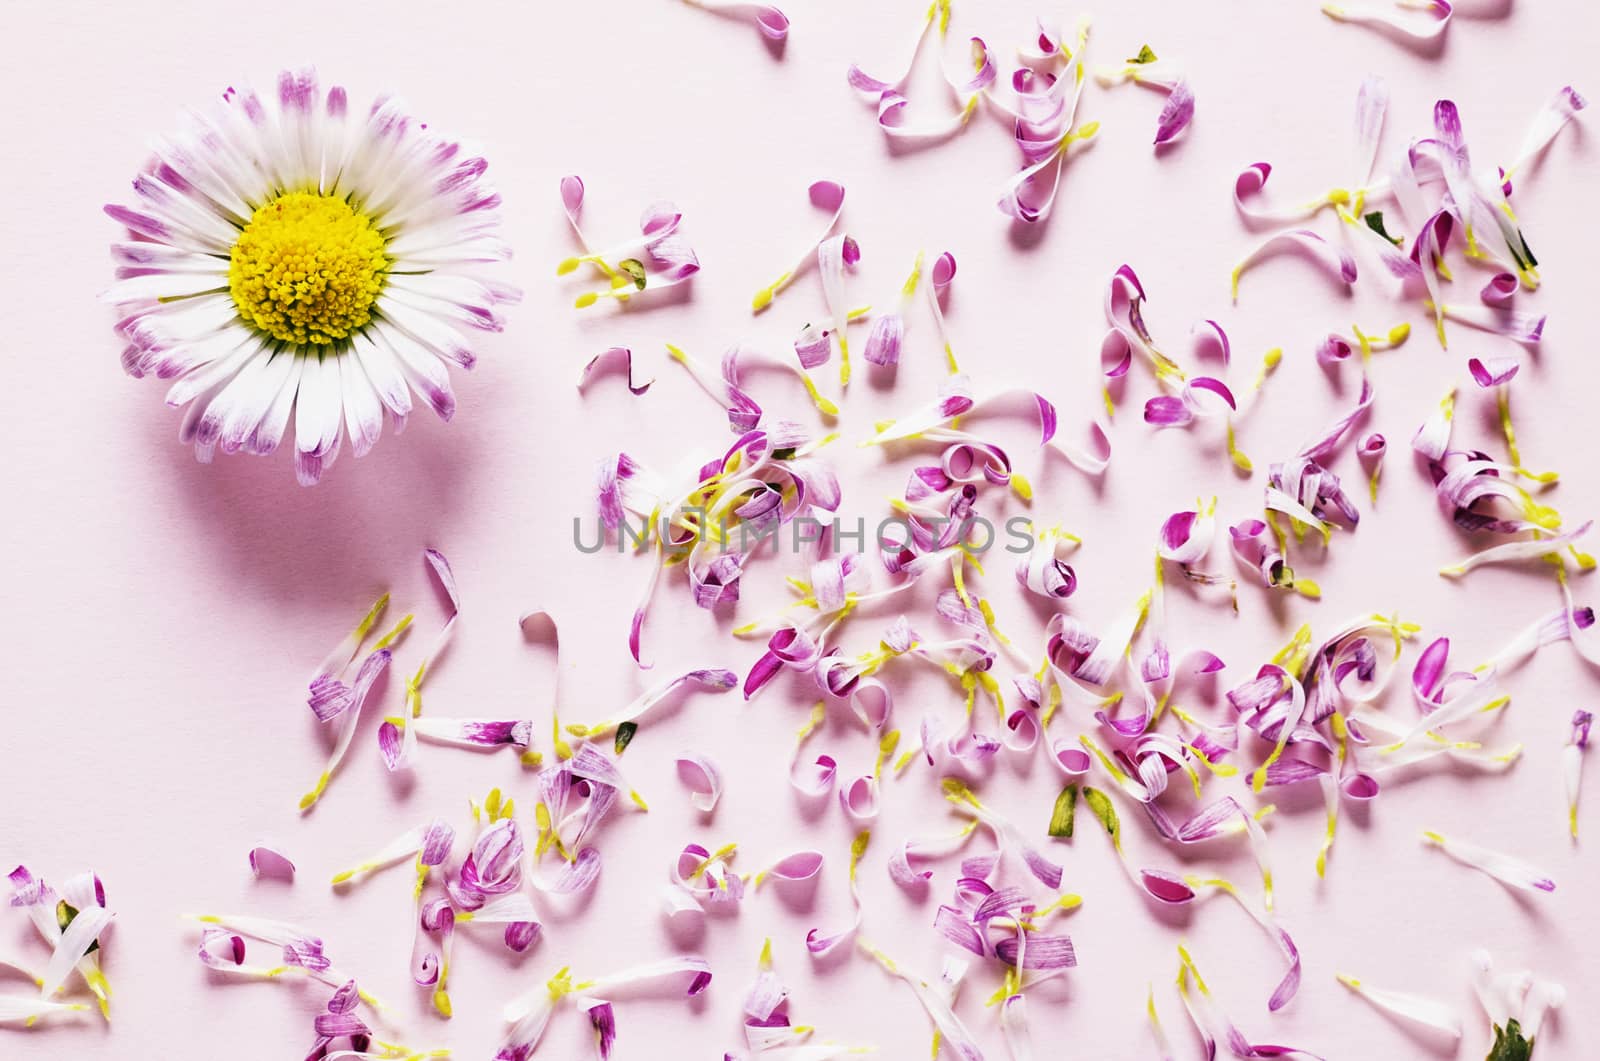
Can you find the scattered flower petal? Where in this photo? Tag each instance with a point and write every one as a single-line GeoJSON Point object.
{"type": "Point", "coordinates": [1504, 868]}
{"type": "Point", "coordinates": [267, 861]}
{"type": "Point", "coordinates": [1416, 1008]}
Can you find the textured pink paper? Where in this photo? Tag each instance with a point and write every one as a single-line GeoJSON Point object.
{"type": "Point", "coordinates": [162, 617]}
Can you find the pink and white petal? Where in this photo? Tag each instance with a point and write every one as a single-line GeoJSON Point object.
{"type": "Point", "coordinates": [1176, 113]}
{"type": "Point", "coordinates": [1494, 371]}
{"type": "Point", "coordinates": [76, 939]}
{"type": "Point", "coordinates": [773, 24]}
{"type": "Point", "coordinates": [1525, 328]}
{"type": "Point", "coordinates": [1372, 106]}
{"type": "Point", "coordinates": [1547, 124]}
{"type": "Point", "coordinates": [814, 779]}
{"type": "Point", "coordinates": [1429, 19]}
{"type": "Point", "coordinates": [615, 355]}
{"type": "Point", "coordinates": [267, 861]}
{"type": "Point", "coordinates": [164, 285]}
{"type": "Point", "coordinates": [1417, 1008]}
{"type": "Point", "coordinates": [703, 780]}
{"type": "Point", "coordinates": [266, 435]}
{"type": "Point", "coordinates": [429, 331]}
{"type": "Point", "coordinates": [363, 412]}
{"type": "Point", "coordinates": [1250, 183]}
{"type": "Point", "coordinates": [241, 403]}
{"type": "Point", "coordinates": [212, 376]}
{"type": "Point", "coordinates": [383, 372]}
{"type": "Point", "coordinates": [1507, 869]}
{"type": "Point", "coordinates": [825, 195]}
{"type": "Point", "coordinates": [860, 800]}
{"type": "Point", "coordinates": [423, 371]}
{"type": "Point", "coordinates": [1334, 259]}
{"type": "Point", "coordinates": [1499, 290]}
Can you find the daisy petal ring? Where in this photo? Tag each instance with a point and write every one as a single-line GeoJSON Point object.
{"type": "Point", "coordinates": [290, 261]}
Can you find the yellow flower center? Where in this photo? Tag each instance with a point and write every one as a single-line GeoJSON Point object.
{"type": "Point", "coordinates": [307, 268]}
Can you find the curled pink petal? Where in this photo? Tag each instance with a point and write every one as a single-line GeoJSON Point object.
{"type": "Point", "coordinates": [1525, 328]}
{"type": "Point", "coordinates": [1335, 259]}
{"type": "Point", "coordinates": [660, 218]}
{"type": "Point", "coordinates": [1210, 342]}
{"type": "Point", "coordinates": [1216, 387]}
{"type": "Point", "coordinates": [572, 196]}
{"type": "Point", "coordinates": [1021, 730]}
{"type": "Point", "coordinates": [1494, 371]}
{"type": "Point", "coordinates": [1116, 354]}
{"type": "Point", "coordinates": [1166, 887]}
{"type": "Point", "coordinates": [1072, 760]}
{"type": "Point", "coordinates": [797, 867]}
{"type": "Point", "coordinates": [860, 799]}
{"type": "Point", "coordinates": [815, 778]}
{"type": "Point", "coordinates": [772, 23]}
{"type": "Point", "coordinates": [1418, 19]}
{"type": "Point", "coordinates": [1176, 113]}
{"type": "Point", "coordinates": [703, 780]}
{"type": "Point", "coordinates": [271, 863]}
{"type": "Point", "coordinates": [1499, 290]}
{"type": "Point", "coordinates": [615, 355]}
{"type": "Point", "coordinates": [1359, 786]}
{"type": "Point", "coordinates": [1334, 349]}
{"type": "Point", "coordinates": [872, 703]}
{"type": "Point", "coordinates": [1167, 411]}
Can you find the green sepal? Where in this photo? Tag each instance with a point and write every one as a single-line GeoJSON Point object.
{"type": "Point", "coordinates": [1061, 816]}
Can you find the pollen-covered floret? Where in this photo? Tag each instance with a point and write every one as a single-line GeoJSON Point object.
{"type": "Point", "coordinates": [307, 268]}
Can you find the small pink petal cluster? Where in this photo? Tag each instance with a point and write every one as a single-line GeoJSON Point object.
{"type": "Point", "coordinates": [71, 922]}
{"type": "Point", "coordinates": [1039, 101]}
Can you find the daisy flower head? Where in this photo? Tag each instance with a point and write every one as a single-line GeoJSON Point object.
{"type": "Point", "coordinates": [289, 260]}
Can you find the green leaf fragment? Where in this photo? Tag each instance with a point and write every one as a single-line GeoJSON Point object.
{"type": "Point", "coordinates": [1527, 251]}
{"type": "Point", "coordinates": [65, 912]}
{"type": "Point", "coordinates": [635, 269]}
{"type": "Point", "coordinates": [1061, 817]}
{"type": "Point", "coordinates": [1106, 814]}
{"type": "Point", "coordinates": [1374, 221]}
{"type": "Point", "coordinates": [625, 732]}
{"type": "Point", "coordinates": [1509, 1045]}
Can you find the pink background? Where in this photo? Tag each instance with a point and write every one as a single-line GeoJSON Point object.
{"type": "Point", "coordinates": [163, 616]}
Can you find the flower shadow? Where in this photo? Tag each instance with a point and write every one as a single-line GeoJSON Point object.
{"type": "Point", "coordinates": [334, 542]}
